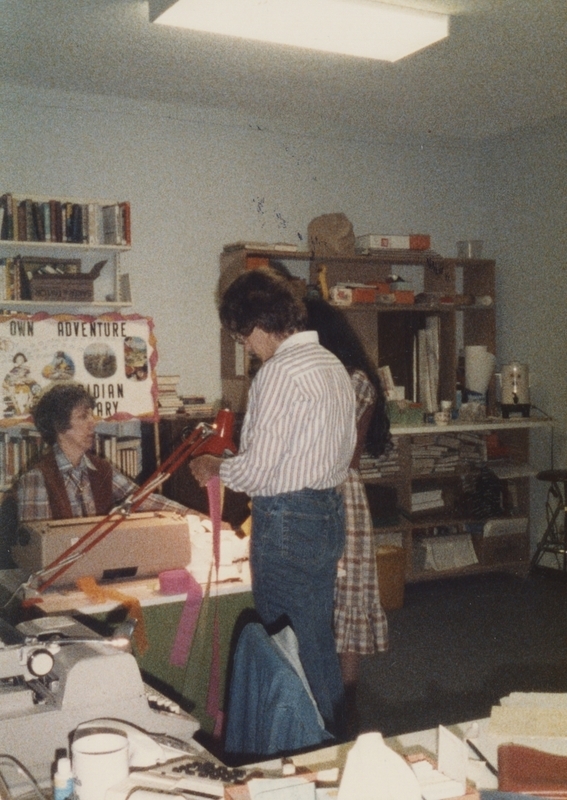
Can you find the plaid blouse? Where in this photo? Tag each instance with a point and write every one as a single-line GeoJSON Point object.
{"type": "Point", "coordinates": [33, 502]}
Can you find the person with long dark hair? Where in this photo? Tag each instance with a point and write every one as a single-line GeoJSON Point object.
{"type": "Point", "coordinates": [360, 623]}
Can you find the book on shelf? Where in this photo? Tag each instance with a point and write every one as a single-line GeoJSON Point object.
{"type": "Point", "coordinates": [168, 399]}
{"type": "Point", "coordinates": [167, 380]}
{"type": "Point", "coordinates": [7, 228]}
{"type": "Point", "coordinates": [199, 410]}
{"type": "Point", "coordinates": [193, 399]}
{"type": "Point", "coordinates": [281, 247]}
{"type": "Point", "coordinates": [126, 225]}
{"type": "Point", "coordinates": [422, 501]}
{"type": "Point", "coordinates": [14, 282]}
{"type": "Point", "coordinates": [170, 402]}
{"type": "Point", "coordinates": [125, 291]}
{"type": "Point", "coordinates": [65, 221]}
{"type": "Point", "coordinates": [111, 224]}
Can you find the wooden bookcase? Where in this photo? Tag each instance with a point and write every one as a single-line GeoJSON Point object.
{"type": "Point", "coordinates": [34, 244]}
{"type": "Point", "coordinates": [460, 294]}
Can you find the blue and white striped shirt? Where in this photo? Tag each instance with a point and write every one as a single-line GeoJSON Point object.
{"type": "Point", "coordinates": [299, 430]}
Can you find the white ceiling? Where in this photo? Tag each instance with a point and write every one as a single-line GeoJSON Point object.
{"type": "Point", "coordinates": [504, 66]}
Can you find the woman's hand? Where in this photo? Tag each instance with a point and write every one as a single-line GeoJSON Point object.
{"type": "Point", "coordinates": [204, 468]}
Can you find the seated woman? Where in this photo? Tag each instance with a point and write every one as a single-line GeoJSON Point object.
{"type": "Point", "coordinates": [69, 480]}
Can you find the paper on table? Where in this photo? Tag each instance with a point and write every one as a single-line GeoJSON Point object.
{"type": "Point", "coordinates": [452, 758]}
{"type": "Point", "coordinates": [295, 788]}
{"type": "Point", "coordinates": [450, 779]}
{"type": "Point", "coordinates": [433, 784]}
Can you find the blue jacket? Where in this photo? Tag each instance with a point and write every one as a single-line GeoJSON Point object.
{"type": "Point", "coordinates": [269, 709]}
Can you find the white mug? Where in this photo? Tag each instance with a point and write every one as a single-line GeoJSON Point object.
{"type": "Point", "coordinates": [100, 760]}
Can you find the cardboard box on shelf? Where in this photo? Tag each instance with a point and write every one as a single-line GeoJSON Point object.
{"type": "Point", "coordinates": [406, 296]}
{"type": "Point", "coordinates": [363, 295]}
{"type": "Point", "coordinates": [381, 241]}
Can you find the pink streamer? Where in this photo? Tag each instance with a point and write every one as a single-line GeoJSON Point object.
{"type": "Point", "coordinates": [214, 495]}
{"type": "Point", "coordinates": [187, 623]}
{"type": "Point", "coordinates": [213, 695]}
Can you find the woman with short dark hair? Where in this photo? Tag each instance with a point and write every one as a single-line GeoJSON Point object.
{"type": "Point", "coordinates": [70, 480]}
{"type": "Point", "coordinates": [297, 441]}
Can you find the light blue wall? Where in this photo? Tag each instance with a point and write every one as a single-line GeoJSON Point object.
{"type": "Point", "coordinates": [199, 179]}
{"type": "Point", "coordinates": [527, 222]}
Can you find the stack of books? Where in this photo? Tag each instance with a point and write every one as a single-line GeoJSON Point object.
{"type": "Point", "coordinates": [426, 500]}
{"type": "Point", "coordinates": [387, 464]}
{"type": "Point", "coordinates": [447, 452]}
{"type": "Point", "coordinates": [169, 402]}
{"type": "Point", "coordinates": [194, 405]}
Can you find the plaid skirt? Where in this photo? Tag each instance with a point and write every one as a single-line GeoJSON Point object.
{"type": "Point", "coordinates": [359, 620]}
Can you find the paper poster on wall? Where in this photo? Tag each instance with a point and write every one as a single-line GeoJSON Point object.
{"type": "Point", "coordinates": [113, 356]}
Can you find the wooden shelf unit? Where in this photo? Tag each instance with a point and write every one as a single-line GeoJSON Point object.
{"type": "Point", "coordinates": [111, 288]}
{"type": "Point", "coordinates": [463, 292]}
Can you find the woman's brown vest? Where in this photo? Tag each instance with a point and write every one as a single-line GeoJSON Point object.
{"type": "Point", "coordinates": [100, 479]}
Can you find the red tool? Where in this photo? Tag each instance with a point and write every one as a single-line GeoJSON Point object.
{"type": "Point", "coordinates": [214, 439]}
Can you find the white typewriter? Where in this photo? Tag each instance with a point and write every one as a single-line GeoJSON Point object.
{"type": "Point", "coordinates": [56, 674]}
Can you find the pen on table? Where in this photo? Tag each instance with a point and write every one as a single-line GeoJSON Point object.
{"type": "Point", "coordinates": [482, 757]}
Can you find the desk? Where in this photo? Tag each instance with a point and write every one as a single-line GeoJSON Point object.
{"type": "Point", "coordinates": [415, 744]}
{"type": "Point", "coordinates": [187, 685]}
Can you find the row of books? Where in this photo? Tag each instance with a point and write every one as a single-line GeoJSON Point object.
{"type": "Point", "coordinates": [171, 403]}
{"type": "Point", "coordinates": [19, 447]}
{"type": "Point", "coordinates": [125, 454]}
{"type": "Point", "coordinates": [386, 464]}
{"type": "Point", "coordinates": [445, 452]}
{"type": "Point", "coordinates": [28, 220]}
{"type": "Point", "coordinates": [14, 283]}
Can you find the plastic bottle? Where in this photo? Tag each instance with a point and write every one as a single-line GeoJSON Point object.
{"type": "Point", "coordinates": [63, 786]}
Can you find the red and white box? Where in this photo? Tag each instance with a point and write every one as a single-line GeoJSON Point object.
{"type": "Point", "coordinates": [380, 241]}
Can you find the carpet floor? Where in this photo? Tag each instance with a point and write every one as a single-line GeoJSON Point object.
{"type": "Point", "coordinates": [458, 645]}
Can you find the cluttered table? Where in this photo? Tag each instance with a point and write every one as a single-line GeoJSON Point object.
{"type": "Point", "coordinates": [161, 614]}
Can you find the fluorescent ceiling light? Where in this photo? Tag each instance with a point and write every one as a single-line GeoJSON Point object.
{"type": "Point", "coordinates": [361, 28]}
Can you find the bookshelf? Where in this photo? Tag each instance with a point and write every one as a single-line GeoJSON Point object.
{"type": "Point", "coordinates": [119, 442]}
{"type": "Point", "coordinates": [62, 252]}
{"type": "Point", "coordinates": [20, 445]}
{"type": "Point", "coordinates": [418, 493]}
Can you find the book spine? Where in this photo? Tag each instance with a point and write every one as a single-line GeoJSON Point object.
{"type": "Point", "coordinates": [38, 228]}
{"type": "Point", "coordinates": [126, 231]}
{"type": "Point", "coordinates": [76, 224]}
{"type": "Point", "coordinates": [46, 216]}
{"type": "Point", "coordinates": [29, 210]}
{"type": "Point", "coordinates": [63, 223]}
{"type": "Point", "coordinates": [7, 231]}
{"type": "Point", "coordinates": [15, 220]}
{"type": "Point", "coordinates": [92, 224]}
{"type": "Point", "coordinates": [55, 216]}
{"type": "Point", "coordinates": [22, 222]}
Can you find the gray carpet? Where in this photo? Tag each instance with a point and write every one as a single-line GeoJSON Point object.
{"type": "Point", "coordinates": [459, 645]}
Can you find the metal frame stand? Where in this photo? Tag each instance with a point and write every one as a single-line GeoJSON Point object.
{"type": "Point", "coordinates": [554, 540]}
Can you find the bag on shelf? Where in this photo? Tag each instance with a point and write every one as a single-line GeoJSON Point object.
{"type": "Point", "coordinates": [331, 235]}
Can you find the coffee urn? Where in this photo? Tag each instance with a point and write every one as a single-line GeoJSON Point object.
{"type": "Point", "coordinates": [515, 389]}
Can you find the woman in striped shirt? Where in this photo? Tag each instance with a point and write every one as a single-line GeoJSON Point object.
{"type": "Point", "coordinates": [297, 441]}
